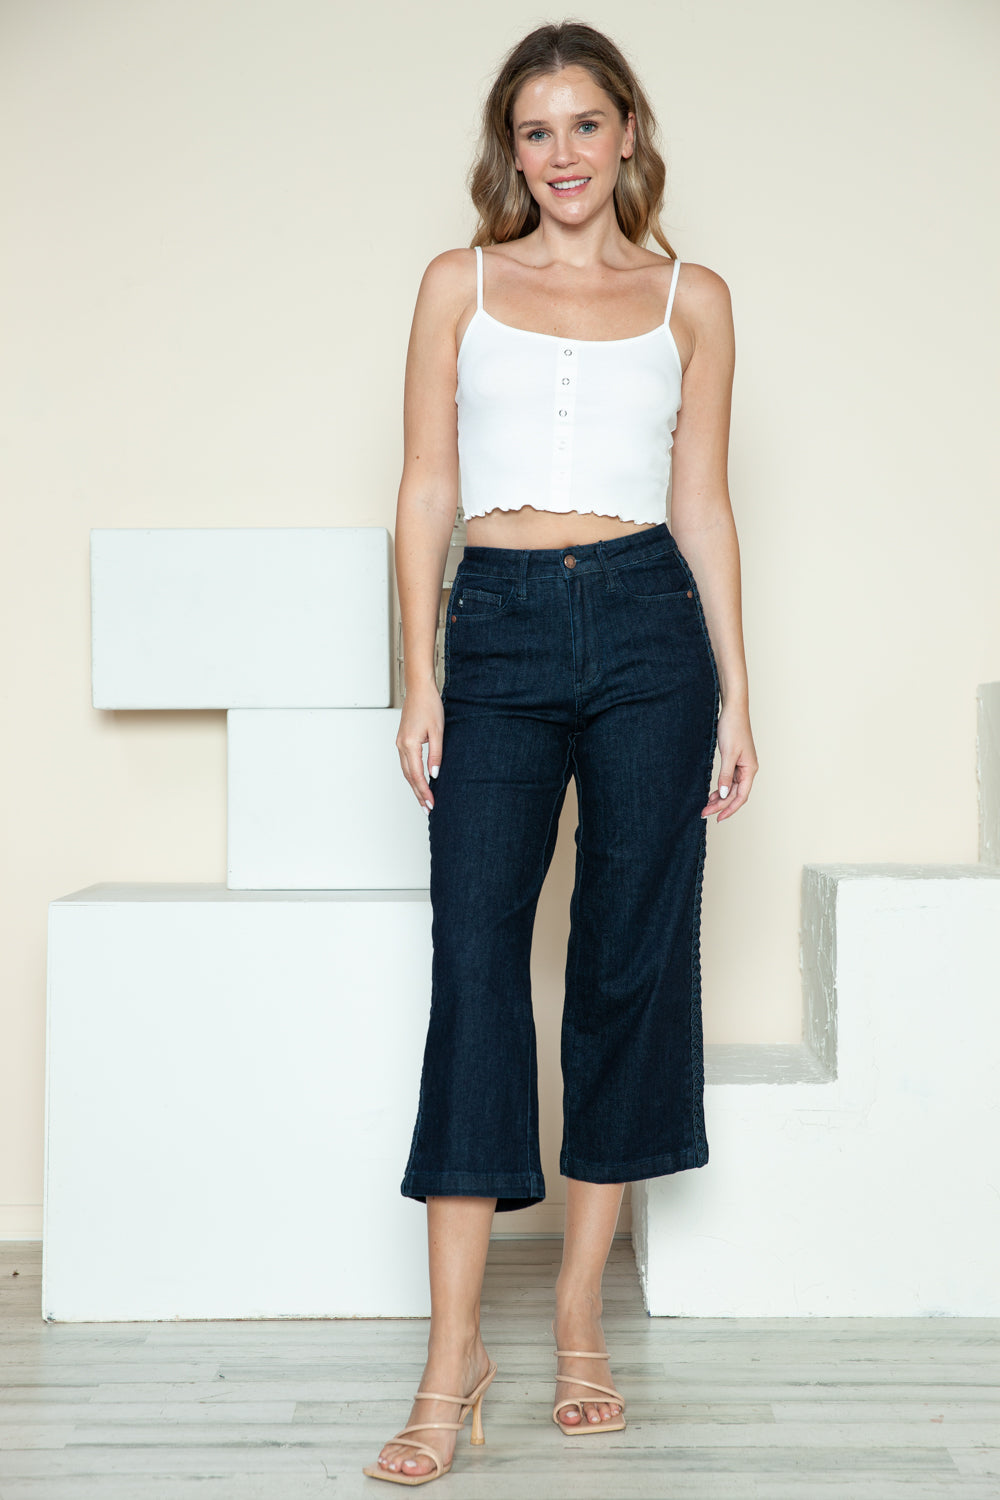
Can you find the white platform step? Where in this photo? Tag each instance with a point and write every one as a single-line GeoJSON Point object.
{"type": "Point", "coordinates": [256, 617]}
{"type": "Point", "coordinates": [231, 1086]}
{"type": "Point", "coordinates": [988, 763]}
{"type": "Point", "coordinates": [869, 1188]}
{"type": "Point", "coordinates": [318, 800]}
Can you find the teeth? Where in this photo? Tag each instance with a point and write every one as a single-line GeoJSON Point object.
{"type": "Point", "coordinates": [563, 186]}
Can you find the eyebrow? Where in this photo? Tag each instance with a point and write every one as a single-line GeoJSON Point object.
{"type": "Point", "coordinates": [584, 114]}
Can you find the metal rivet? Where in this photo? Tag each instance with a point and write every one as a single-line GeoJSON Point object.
{"type": "Point", "coordinates": [690, 594]}
{"type": "Point", "coordinates": [454, 618]}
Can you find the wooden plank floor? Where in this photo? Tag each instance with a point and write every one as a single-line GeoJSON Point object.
{"type": "Point", "coordinates": [718, 1408]}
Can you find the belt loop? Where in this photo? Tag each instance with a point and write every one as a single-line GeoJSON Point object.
{"type": "Point", "coordinates": [610, 580]}
{"type": "Point", "coordinates": [522, 574]}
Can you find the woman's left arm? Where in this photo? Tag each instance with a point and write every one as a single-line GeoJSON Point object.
{"type": "Point", "coordinates": [701, 517]}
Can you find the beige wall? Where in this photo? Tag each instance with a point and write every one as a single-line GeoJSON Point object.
{"type": "Point", "coordinates": [216, 215]}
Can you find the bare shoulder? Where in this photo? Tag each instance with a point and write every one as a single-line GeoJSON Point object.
{"type": "Point", "coordinates": [703, 293]}
{"type": "Point", "coordinates": [447, 280]}
{"type": "Point", "coordinates": [706, 313]}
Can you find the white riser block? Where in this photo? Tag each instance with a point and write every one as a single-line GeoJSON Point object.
{"type": "Point", "coordinates": [231, 1087]}
{"type": "Point", "coordinates": [873, 1194]}
{"type": "Point", "coordinates": [318, 801]}
{"type": "Point", "coordinates": [988, 762]}
{"type": "Point", "coordinates": [256, 617]}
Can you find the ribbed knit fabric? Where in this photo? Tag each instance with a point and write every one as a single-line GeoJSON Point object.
{"type": "Point", "coordinates": [566, 424]}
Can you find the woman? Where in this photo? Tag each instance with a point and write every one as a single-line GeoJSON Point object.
{"type": "Point", "coordinates": [584, 637]}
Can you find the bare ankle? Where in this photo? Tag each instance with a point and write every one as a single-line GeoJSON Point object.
{"type": "Point", "coordinates": [449, 1339]}
{"type": "Point", "coordinates": [578, 1297]}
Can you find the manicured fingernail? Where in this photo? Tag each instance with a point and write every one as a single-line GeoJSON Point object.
{"type": "Point", "coordinates": [435, 770]}
{"type": "Point", "coordinates": [723, 791]}
{"type": "Point", "coordinates": [429, 805]}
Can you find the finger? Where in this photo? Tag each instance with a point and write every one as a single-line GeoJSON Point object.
{"type": "Point", "coordinates": [435, 741]}
{"type": "Point", "coordinates": [411, 755]}
{"type": "Point", "coordinates": [736, 798]}
{"type": "Point", "coordinates": [727, 775]}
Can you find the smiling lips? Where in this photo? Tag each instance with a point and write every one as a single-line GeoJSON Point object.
{"type": "Point", "coordinates": [569, 186]}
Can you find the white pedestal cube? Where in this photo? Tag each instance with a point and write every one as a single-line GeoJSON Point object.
{"type": "Point", "coordinates": [231, 1087]}
{"type": "Point", "coordinates": [256, 617]}
{"type": "Point", "coordinates": [869, 1189]}
{"type": "Point", "coordinates": [318, 800]}
{"type": "Point", "coordinates": [988, 764]}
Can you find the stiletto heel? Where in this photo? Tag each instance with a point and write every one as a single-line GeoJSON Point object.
{"type": "Point", "coordinates": [478, 1433]}
{"type": "Point", "coordinates": [477, 1436]}
{"type": "Point", "coordinates": [616, 1424]}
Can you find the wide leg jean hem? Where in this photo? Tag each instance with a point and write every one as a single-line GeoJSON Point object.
{"type": "Point", "coordinates": [634, 1171]}
{"type": "Point", "coordinates": [511, 1189]}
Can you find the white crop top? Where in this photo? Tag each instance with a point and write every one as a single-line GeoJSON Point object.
{"type": "Point", "coordinates": [566, 424]}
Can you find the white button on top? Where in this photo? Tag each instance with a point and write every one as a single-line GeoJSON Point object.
{"type": "Point", "coordinates": [567, 351]}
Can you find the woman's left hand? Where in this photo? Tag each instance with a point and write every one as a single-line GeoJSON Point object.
{"type": "Point", "coordinates": [739, 764]}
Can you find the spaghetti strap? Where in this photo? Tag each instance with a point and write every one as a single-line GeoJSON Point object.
{"type": "Point", "coordinates": [673, 288]}
{"type": "Point", "coordinates": [479, 276]}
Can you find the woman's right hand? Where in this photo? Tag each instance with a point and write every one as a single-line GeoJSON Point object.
{"type": "Point", "coordinates": [421, 723]}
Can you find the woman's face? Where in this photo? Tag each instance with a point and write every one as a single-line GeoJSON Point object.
{"type": "Point", "coordinates": [567, 130]}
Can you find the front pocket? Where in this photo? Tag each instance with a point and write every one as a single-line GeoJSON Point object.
{"type": "Point", "coordinates": [470, 602]}
{"type": "Point", "coordinates": [466, 596]}
{"type": "Point", "coordinates": [661, 577]}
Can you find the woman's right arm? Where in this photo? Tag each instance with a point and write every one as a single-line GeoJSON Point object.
{"type": "Point", "coordinates": [427, 506]}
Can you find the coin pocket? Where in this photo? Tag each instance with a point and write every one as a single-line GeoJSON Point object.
{"type": "Point", "coordinates": [470, 601]}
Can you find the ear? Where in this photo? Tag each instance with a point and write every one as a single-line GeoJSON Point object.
{"type": "Point", "coordinates": [628, 145]}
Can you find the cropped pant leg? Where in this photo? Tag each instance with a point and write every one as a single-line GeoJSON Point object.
{"type": "Point", "coordinates": [631, 1044]}
{"type": "Point", "coordinates": [493, 829]}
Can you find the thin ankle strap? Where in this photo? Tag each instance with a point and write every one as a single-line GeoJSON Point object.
{"type": "Point", "coordinates": [581, 1354]}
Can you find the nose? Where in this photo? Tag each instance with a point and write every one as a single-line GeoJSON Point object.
{"type": "Point", "coordinates": [563, 153]}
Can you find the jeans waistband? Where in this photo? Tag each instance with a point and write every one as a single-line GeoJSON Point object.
{"type": "Point", "coordinates": [549, 562]}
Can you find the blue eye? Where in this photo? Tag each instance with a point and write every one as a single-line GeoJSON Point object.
{"type": "Point", "coordinates": [532, 133]}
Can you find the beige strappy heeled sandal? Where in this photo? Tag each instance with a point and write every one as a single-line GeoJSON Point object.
{"type": "Point", "coordinates": [478, 1434]}
{"type": "Point", "coordinates": [614, 1424]}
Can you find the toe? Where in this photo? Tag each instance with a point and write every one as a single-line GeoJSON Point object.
{"type": "Point", "coordinates": [420, 1465]}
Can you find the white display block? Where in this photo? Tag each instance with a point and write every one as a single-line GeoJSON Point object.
{"type": "Point", "coordinates": [318, 800]}
{"type": "Point", "coordinates": [988, 764]}
{"type": "Point", "coordinates": [870, 1191]}
{"type": "Point", "coordinates": [254, 617]}
{"type": "Point", "coordinates": [231, 1087]}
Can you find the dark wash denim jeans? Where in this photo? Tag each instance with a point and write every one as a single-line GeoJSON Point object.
{"type": "Point", "coordinates": [591, 661]}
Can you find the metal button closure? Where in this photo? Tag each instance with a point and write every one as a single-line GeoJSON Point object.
{"type": "Point", "coordinates": [570, 561]}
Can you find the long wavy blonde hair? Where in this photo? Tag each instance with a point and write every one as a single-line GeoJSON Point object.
{"type": "Point", "coordinates": [506, 209]}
